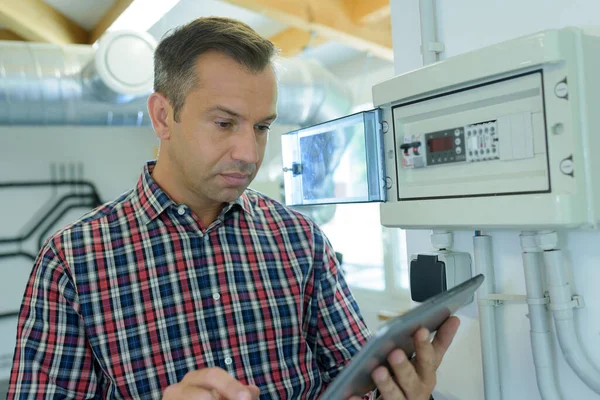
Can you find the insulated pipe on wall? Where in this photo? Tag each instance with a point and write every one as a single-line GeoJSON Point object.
{"type": "Point", "coordinates": [428, 31]}
{"type": "Point", "coordinates": [482, 246]}
{"type": "Point", "coordinates": [561, 304]}
{"type": "Point", "coordinates": [541, 337]}
{"type": "Point", "coordinates": [441, 239]}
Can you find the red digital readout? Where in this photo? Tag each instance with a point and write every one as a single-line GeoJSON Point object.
{"type": "Point", "coordinates": [440, 144]}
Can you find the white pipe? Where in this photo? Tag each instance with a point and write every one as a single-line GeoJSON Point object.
{"type": "Point", "coordinates": [560, 300]}
{"type": "Point", "coordinates": [428, 30]}
{"type": "Point", "coordinates": [541, 337]}
{"type": "Point", "coordinates": [441, 240]}
{"type": "Point", "coordinates": [482, 246]}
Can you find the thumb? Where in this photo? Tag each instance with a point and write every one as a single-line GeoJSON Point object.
{"type": "Point", "coordinates": [255, 391]}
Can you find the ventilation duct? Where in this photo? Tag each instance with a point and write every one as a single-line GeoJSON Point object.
{"type": "Point", "coordinates": [108, 84]}
{"type": "Point", "coordinates": [309, 94]}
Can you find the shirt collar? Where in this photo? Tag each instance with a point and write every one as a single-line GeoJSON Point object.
{"type": "Point", "coordinates": [152, 200]}
{"type": "Point", "coordinates": [244, 202]}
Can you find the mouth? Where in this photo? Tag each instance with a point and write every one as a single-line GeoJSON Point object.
{"type": "Point", "coordinates": [236, 179]}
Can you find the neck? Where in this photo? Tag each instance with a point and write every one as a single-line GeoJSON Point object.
{"type": "Point", "coordinates": [173, 184]}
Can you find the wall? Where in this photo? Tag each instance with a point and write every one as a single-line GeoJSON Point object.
{"type": "Point", "coordinates": [465, 25]}
{"type": "Point", "coordinates": [112, 159]}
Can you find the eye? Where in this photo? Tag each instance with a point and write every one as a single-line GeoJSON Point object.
{"type": "Point", "coordinates": [224, 124]}
{"type": "Point", "coordinates": [262, 128]}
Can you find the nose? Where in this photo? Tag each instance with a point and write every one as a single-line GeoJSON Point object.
{"type": "Point", "coordinates": [245, 146]}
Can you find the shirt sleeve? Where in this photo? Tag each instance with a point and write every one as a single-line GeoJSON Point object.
{"type": "Point", "coordinates": [52, 357]}
{"type": "Point", "coordinates": [341, 330]}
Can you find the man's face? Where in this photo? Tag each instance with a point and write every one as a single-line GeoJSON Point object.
{"type": "Point", "coordinates": [219, 142]}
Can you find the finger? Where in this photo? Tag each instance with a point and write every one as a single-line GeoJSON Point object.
{"type": "Point", "coordinates": [386, 385]}
{"type": "Point", "coordinates": [219, 380]}
{"type": "Point", "coordinates": [197, 393]}
{"type": "Point", "coordinates": [443, 338]}
{"type": "Point", "coordinates": [405, 374]}
{"type": "Point", "coordinates": [181, 391]}
{"type": "Point", "coordinates": [254, 390]}
{"type": "Point", "coordinates": [425, 358]}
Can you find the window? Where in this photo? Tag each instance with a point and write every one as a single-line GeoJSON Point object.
{"type": "Point", "coordinates": [356, 233]}
{"type": "Point", "coordinates": [372, 255]}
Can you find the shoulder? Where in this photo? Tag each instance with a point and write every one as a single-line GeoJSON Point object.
{"type": "Point", "coordinates": [276, 213]}
{"type": "Point", "coordinates": [114, 213]}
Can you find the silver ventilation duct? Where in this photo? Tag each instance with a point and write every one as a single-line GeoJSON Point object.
{"type": "Point", "coordinates": [309, 94]}
{"type": "Point", "coordinates": [108, 84]}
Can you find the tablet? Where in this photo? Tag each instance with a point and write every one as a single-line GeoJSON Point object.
{"type": "Point", "coordinates": [355, 378]}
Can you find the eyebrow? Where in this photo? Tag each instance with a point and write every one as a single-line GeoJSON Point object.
{"type": "Point", "coordinates": [237, 115]}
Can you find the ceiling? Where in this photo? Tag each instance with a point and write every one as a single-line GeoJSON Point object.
{"type": "Point", "coordinates": [187, 10]}
{"type": "Point", "coordinates": [332, 31]}
{"type": "Point", "coordinates": [86, 13]}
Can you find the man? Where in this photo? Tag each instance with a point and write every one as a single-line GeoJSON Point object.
{"type": "Point", "coordinates": [192, 286]}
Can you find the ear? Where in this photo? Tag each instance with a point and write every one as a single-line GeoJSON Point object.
{"type": "Point", "coordinates": [159, 109]}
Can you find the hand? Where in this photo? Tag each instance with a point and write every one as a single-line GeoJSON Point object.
{"type": "Point", "coordinates": [415, 380]}
{"type": "Point", "coordinates": [210, 384]}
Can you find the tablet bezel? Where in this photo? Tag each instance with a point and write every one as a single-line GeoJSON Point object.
{"type": "Point", "coordinates": [355, 378]}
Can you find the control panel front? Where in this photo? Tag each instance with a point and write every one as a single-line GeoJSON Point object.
{"type": "Point", "coordinates": [482, 141]}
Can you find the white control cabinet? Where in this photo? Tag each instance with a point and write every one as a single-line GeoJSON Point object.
{"type": "Point", "coordinates": [502, 137]}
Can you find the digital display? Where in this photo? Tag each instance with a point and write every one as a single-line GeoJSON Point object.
{"type": "Point", "coordinates": [440, 144]}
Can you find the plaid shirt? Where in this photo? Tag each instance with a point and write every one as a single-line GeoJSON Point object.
{"type": "Point", "coordinates": [136, 294]}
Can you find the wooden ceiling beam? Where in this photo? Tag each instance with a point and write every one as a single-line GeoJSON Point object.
{"type": "Point", "coordinates": [294, 41]}
{"type": "Point", "coordinates": [5, 34]}
{"type": "Point", "coordinates": [37, 21]}
{"type": "Point", "coordinates": [330, 19]}
{"type": "Point", "coordinates": [109, 17]}
{"type": "Point", "coordinates": [368, 12]}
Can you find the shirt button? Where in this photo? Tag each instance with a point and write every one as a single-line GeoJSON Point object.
{"type": "Point", "coordinates": [181, 210]}
{"type": "Point", "coordinates": [216, 296]}
{"type": "Point", "coordinates": [228, 361]}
